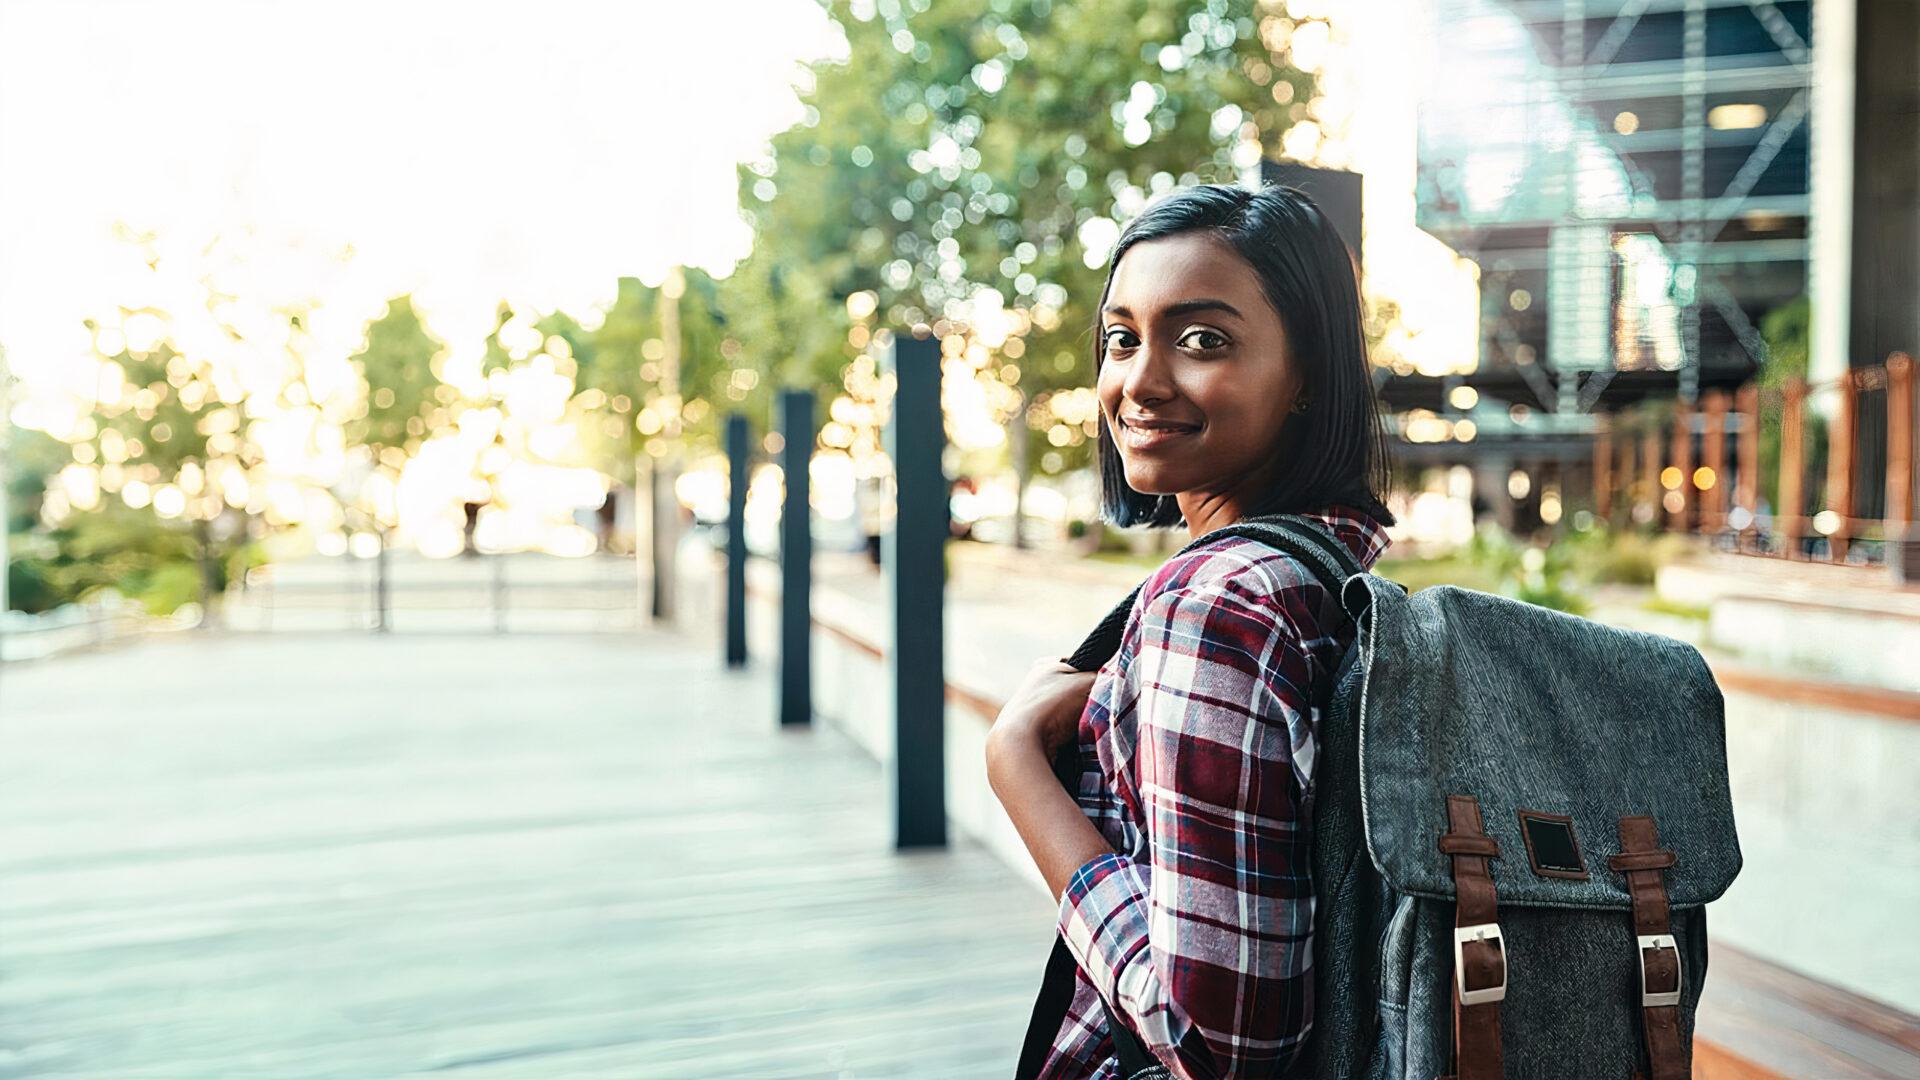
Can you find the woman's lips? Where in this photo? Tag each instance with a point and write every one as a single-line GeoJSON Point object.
{"type": "Point", "coordinates": [1151, 438]}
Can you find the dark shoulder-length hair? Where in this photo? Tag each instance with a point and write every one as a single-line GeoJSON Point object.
{"type": "Point", "coordinates": [1334, 453]}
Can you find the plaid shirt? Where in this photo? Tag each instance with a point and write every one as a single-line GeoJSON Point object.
{"type": "Point", "coordinates": [1196, 746]}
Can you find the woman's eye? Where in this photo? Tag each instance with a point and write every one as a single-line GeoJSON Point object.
{"type": "Point", "coordinates": [1204, 340]}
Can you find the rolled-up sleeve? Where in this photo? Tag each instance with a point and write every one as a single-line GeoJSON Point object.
{"type": "Point", "coordinates": [1204, 947]}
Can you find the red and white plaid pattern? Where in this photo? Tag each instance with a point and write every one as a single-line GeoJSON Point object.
{"type": "Point", "coordinates": [1196, 745]}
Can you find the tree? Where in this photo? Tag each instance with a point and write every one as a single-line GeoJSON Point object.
{"type": "Point", "coordinates": [168, 478]}
{"type": "Point", "coordinates": [969, 165]}
{"type": "Point", "coordinates": [397, 368]}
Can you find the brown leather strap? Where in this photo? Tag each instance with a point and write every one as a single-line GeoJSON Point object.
{"type": "Point", "coordinates": [1641, 860]}
{"type": "Point", "coordinates": [1485, 846]}
{"type": "Point", "coordinates": [1479, 953]}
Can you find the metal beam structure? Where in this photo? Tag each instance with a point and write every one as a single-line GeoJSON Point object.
{"type": "Point", "coordinates": [1659, 206]}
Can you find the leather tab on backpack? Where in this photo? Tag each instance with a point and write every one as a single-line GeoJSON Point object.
{"type": "Point", "coordinates": [1641, 859]}
{"type": "Point", "coordinates": [1479, 951]}
{"type": "Point", "coordinates": [1455, 844]}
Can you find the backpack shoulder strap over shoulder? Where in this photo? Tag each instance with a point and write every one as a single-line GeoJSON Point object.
{"type": "Point", "coordinates": [1302, 537]}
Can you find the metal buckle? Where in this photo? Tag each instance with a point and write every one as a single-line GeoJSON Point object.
{"type": "Point", "coordinates": [1479, 932]}
{"type": "Point", "coordinates": [1660, 941]}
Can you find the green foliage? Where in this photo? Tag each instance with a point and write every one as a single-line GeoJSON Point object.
{"type": "Point", "coordinates": [1628, 561]}
{"type": "Point", "coordinates": [397, 365]}
{"type": "Point", "coordinates": [964, 144]}
{"type": "Point", "coordinates": [176, 423]}
{"type": "Point", "coordinates": [158, 417]}
{"type": "Point", "coordinates": [1558, 574]}
{"type": "Point", "coordinates": [1631, 556]}
{"type": "Point", "coordinates": [157, 563]}
{"type": "Point", "coordinates": [1424, 573]}
{"type": "Point", "coordinates": [1660, 605]}
{"type": "Point", "coordinates": [28, 588]}
{"type": "Point", "coordinates": [32, 459]}
{"type": "Point", "coordinates": [1788, 332]}
{"type": "Point", "coordinates": [1536, 574]}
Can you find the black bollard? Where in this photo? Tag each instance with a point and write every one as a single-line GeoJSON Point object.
{"type": "Point", "coordinates": [915, 559]}
{"type": "Point", "coordinates": [738, 449]}
{"type": "Point", "coordinates": [796, 559]}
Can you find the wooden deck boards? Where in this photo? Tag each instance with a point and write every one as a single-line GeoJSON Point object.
{"type": "Point", "coordinates": [337, 856]}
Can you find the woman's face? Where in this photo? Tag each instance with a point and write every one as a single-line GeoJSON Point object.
{"type": "Point", "coordinates": [1197, 379]}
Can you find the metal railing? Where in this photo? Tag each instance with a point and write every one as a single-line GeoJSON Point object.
{"type": "Point", "coordinates": [489, 593]}
{"type": "Point", "coordinates": [89, 624]}
{"type": "Point", "coordinates": [1700, 470]}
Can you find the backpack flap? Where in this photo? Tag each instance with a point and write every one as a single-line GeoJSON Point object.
{"type": "Point", "coordinates": [1559, 726]}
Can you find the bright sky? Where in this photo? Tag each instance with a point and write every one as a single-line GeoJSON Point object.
{"type": "Point", "coordinates": [469, 151]}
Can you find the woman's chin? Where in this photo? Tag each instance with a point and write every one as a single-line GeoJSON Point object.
{"type": "Point", "coordinates": [1154, 482]}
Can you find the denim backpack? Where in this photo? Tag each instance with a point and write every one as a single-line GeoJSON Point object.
{"type": "Point", "coordinates": [1518, 816]}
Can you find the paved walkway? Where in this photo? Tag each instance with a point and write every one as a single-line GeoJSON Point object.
{"type": "Point", "coordinates": [296, 856]}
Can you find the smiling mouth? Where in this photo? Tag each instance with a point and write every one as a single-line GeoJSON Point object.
{"type": "Point", "coordinates": [1154, 435]}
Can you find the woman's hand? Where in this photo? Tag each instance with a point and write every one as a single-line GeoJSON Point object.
{"type": "Point", "coordinates": [1045, 708]}
{"type": "Point", "coordinates": [1042, 716]}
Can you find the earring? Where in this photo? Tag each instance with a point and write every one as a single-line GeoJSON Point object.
{"type": "Point", "coordinates": [1300, 404]}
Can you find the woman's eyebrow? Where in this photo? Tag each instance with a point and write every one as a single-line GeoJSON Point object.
{"type": "Point", "coordinates": [1182, 307]}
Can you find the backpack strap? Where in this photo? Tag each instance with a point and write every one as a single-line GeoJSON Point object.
{"type": "Point", "coordinates": [1479, 953]}
{"type": "Point", "coordinates": [1301, 537]}
{"type": "Point", "coordinates": [1135, 1062]}
{"type": "Point", "coordinates": [1049, 1009]}
{"type": "Point", "coordinates": [1641, 860]}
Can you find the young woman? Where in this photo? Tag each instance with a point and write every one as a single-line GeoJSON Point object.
{"type": "Point", "coordinates": [1233, 380]}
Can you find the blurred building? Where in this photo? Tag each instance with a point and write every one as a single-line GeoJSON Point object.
{"type": "Point", "coordinates": [1641, 182]}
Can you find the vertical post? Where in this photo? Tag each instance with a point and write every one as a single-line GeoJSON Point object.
{"type": "Point", "coordinates": [1019, 436]}
{"type": "Point", "coordinates": [203, 543]}
{"type": "Point", "coordinates": [1602, 467]}
{"type": "Point", "coordinates": [914, 554]}
{"type": "Point", "coordinates": [1628, 486]}
{"type": "Point", "coordinates": [1903, 540]}
{"type": "Point", "coordinates": [1679, 516]}
{"type": "Point", "coordinates": [382, 599]}
{"type": "Point", "coordinates": [664, 473]}
{"type": "Point", "coordinates": [1787, 516]}
{"type": "Point", "coordinates": [1713, 512]}
{"type": "Point", "coordinates": [1900, 417]}
{"type": "Point", "coordinates": [6, 450]}
{"type": "Point", "coordinates": [1840, 465]}
{"type": "Point", "coordinates": [497, 568]}
{"type": "Point", "coordinates": [1650, 470]}
{"type": "Point", "coordinates": [1747, 494]}
{"type": "Point", "coordinates": [737, 438]}
{"type": "Point", "coordinates": [796, 558]}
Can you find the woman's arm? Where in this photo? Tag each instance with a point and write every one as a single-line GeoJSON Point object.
{"type": "Point", "coordinates": [1203, 947]}
{"type": "Point", "coordinates": [1050, 822]}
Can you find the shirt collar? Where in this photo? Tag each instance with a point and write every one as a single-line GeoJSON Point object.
{"type": "Point", "coordinates": [1365, 537]}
